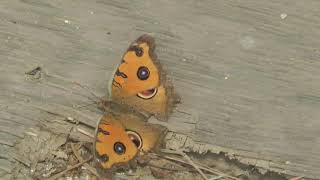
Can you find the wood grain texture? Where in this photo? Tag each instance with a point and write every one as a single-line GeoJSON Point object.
{"type": "Point", "coordinates": [248, 78]}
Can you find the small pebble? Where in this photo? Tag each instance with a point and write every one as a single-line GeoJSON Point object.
{"type": "Point", "coordinates": [288, 162]}
{"type": "Point", "coordinates": [283, 15]}
{"type": "Point", "coordinates": [248, 42]}
{"type": "Point", "coordinates": [70, 119]}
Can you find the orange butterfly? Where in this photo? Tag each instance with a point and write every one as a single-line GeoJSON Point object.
{"type": "Point", "coordinates": [138, 86]}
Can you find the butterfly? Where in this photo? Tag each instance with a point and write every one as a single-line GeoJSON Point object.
{"type": "Point", "coordinates": [139, 88]}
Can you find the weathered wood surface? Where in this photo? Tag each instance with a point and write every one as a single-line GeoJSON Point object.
{"type": "Point", "coordinates": [249, 79]}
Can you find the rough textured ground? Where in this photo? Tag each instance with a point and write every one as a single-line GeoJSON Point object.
{"type": "Point", "coordinates": [247, 72]}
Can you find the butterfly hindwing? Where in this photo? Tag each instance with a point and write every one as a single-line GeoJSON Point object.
{"type": "Point", "coordinates": [121, 136]}
{"type": "Point", "coordinates": [147, 137]}
{"type": "Point", "coordinates": [112, 144]}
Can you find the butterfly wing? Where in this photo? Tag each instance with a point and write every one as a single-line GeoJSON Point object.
{"type": "Point", "coordinates": [112, 144]}
{"type": "Point", "coordinates": [140, 81]}
{"type": "Point", "coordinates": [138, 70]}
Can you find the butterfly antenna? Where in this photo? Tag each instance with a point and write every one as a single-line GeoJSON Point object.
{"type": "Point", "coordinates": [87, 105]}
{"type": "Point", "coordinates": [88, 90]}
{"type": "Point", "coordinates": [102, 104]}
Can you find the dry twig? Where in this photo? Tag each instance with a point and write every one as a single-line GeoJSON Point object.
{"type": "Point", "coordinates": [201, 166]}
{"type": "Point", "coordinates": [296, 178]}
{"type": "Point", "coordinates": [80, 159]}
{"type": "Point", "coordinates": [60, 174]}
{"type": "Point", "coordinates": [85, 133]}
{"type": "Point", "coordinates": [194, 165]}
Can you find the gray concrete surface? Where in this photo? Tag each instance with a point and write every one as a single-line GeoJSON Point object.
{"type": "Point", "coordinates": [247, 71]}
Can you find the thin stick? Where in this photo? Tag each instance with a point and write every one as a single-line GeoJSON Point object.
{"type": "Point", "coordinates": [60, 174]}
{"type": "Point", "coordinates": [86, 165]}
{"type": "Point", "coordinates": [194, 165]}
{"type": "Point", "coordinates": [85, 133]}
{"type": "Point", "coordinates": [188, 159]}
{"type": "Point", "coordinates": [200, 166]}
{"type": "Point", "coordinates": [160, 167]}
{"type": "Point", "coordinates": [296, 178]}
{"type": "Point", "coordinates": [216, 178]}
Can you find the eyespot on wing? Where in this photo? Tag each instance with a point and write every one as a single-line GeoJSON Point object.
{"type": "Point", "coordinates": [112, 144]}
